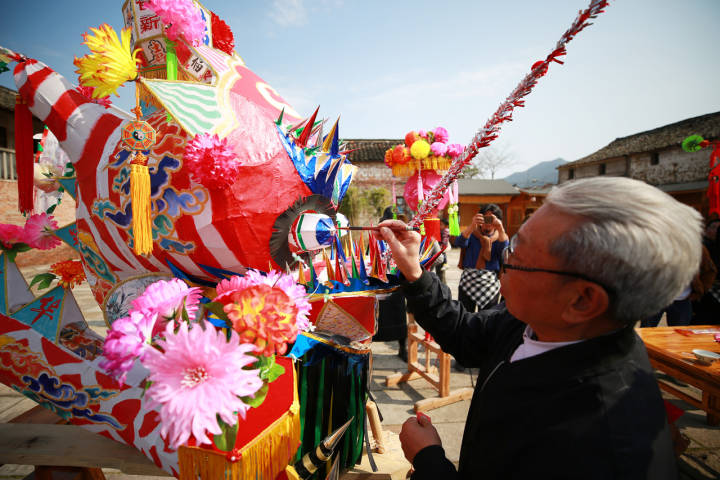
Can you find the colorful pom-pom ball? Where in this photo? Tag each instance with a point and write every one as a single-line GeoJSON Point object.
{"type": "Point", "coordinates": [399, 155]}
{"type": "Point", "coordinates": [420, 149]}
{"type": "Point", "coordinates": [439, 148]}
{"type": "Point", "coordinates": [410, 138]}
{"type": "Point", "coordinates": [692, 143]}
{"type": "Point", "coordinates": [389, 157]}
{"type": "Point", "coordinates": [440, 134]}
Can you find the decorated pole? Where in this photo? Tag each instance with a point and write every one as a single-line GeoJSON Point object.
{"type": "Point", "coordinates": [491, 130]}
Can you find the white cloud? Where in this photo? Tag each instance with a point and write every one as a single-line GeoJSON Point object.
{"type": "Point", "coordinates": [288, 13]}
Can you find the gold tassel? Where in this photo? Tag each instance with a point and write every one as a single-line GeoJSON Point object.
{"type": "Point", "coordinates": [265, 456]}
{"type": "Point", "coordinates": [140, 198]}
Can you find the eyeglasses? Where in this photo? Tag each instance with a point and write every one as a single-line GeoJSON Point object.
{"type": "Point", "coordinates": [510, 249]}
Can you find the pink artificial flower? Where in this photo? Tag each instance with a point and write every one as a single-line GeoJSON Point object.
{"type": "Point", "coordinates": [11, 234]}
{"type": "Point", "coordinates": [439, 148]}
{"type": "Point", "coordinates": [197, 376]}
{"type": "Point", "coordinates": [128, 340]}
{"type": "Point", "coordinates": [182, 17]}
{"type": "Point", "coordinates": [441, 135]}
{"type": "Point", "coordinates": [211, 161]}
{"type": "Point", "coordinates": [455, 149]}
{"type": "Point", "coordinates": [39, 232]}
{"type": "Point", "coordinates": [165, 299]}
{"type": "Point", "coordinates": [422, 133]}
{"type": "Point", "coordinates": [266, 310]}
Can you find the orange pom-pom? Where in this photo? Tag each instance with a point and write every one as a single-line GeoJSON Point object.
{"type": "Point", "coordinates": [410, 138]}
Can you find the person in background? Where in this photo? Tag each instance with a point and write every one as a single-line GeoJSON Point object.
{"type": "Point", "coordinates": [565, 389]}
{"type": "Point", "coordinates": [481, 246]}
{"type": "Point", "coordinates": [441, 263]}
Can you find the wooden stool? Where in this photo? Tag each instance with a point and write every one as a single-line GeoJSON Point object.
{"type": "Point", "coordinates": [439, 378]}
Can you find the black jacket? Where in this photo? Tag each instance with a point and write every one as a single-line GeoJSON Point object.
{"type": "Point", "coordinates": [591, 410]}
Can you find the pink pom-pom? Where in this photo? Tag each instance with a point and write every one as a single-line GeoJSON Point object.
{"type": "Point", "coordinates": [455, 149]}
{"type": "Point", "coordinates": [182, 17]}
{"type": "Point", "coordinates": [439, 148]}
{"type": "Point", "coordinates": [211, 161]}
{"type": "Point", "coordinates": [441, 135]}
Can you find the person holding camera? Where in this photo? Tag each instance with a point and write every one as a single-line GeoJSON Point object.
{"type": "Point", "coordinates": [481, 243]}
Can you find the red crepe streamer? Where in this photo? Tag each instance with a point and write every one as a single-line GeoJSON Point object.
{"type": "Point", "coordinates": [24, 161]}
{"type": "Point", "coordinates": [490, 131]}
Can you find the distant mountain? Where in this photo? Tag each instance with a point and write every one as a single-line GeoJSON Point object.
{"type": "Point", "coordinates": [537, 175]}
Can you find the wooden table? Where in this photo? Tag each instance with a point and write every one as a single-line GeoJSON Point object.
{"type": "Point", "coordinates": [670, 351]}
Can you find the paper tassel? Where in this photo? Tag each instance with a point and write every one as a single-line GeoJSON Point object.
{"type": "Point", "coordinates": [140, 198]}
{"type": "Point", "coordinates": [265, 456]}
{"type": "Point", "coordinates": [24, 160]}
{"type": "Point", "coordinates": [453, 220]}
{"type": "Point", "coordinates": [111, 62]}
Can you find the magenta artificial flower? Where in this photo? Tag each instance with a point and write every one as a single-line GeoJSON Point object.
{"type": "Point", "coordinates": [439, 148]}
{"type": "Point", "coordinates": [267, 310]}
{"type": "Point", "coordinates": [211, 161]}
{"type": "Point", "coordinates": [39, 232]}
{"type": "Point", "coordinates": [441, 135]}
{"type": "Point", "coordinates": [165, 299]}
{"type": "Point", "coordinates": [11, 234]}
{"type": "Point", "coordinates": [182, 17]}
{"type": "Point", "coordinates": [455, 149]}
{"type": "Point", "coordinates": [197, 377]}
{"type": "Point", "coordinates": [128, 340]}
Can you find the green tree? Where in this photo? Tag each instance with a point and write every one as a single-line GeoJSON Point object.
{"type": "Point", "coordinates": [360, 205]}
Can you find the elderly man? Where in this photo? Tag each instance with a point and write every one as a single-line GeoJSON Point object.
{"type": "Point", "coordinates": [565, 387]}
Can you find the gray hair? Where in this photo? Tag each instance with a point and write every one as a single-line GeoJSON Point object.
{"type": "Point", "coordinates": [635, 239]}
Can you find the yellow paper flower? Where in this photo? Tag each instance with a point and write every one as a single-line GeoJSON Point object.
{"type": "Point", "coordinates": [111, 62]}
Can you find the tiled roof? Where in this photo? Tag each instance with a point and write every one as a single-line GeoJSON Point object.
{"type": "Point", "coordinates": [684, 187]}
{"type": "Point", "coordinates": [369, 150]}
{"type": "Point", "coordinates": [7, 98]}
{"type": "Point", "coordinates": [486, 187]}
{"type": "Point", "coordinates": [708, 126]}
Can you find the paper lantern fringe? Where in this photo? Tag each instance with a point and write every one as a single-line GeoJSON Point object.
{"type": "Point", "coordinates": [264, 457]}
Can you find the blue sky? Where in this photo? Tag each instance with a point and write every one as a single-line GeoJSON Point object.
{"type": "Point", "coordinates": [388, 67]}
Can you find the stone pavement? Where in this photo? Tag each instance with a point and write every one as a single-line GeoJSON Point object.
{"type": "Point", "coordinates": [700, 461]}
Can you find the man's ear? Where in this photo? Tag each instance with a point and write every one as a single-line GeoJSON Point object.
{"type": "Point", "coordinates": [586, 301]}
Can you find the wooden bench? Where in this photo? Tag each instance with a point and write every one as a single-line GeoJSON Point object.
{"type": "Point", "coordinates": [68, 452]}
{"type": "Point", "coordinates": [439, 378]}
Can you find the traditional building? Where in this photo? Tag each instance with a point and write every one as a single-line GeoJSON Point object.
{"type": "Point", "coordinates": [64, 214]}
{"type": "Point", "coordinates": [656, 157]}
{"type": "Point", "coordinates": [369, 157]}
{"type": "Point", "coordinates": [472, 193]}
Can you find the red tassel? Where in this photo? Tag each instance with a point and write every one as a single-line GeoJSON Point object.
{"type": "Point", "coordinates": [24, 160]}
